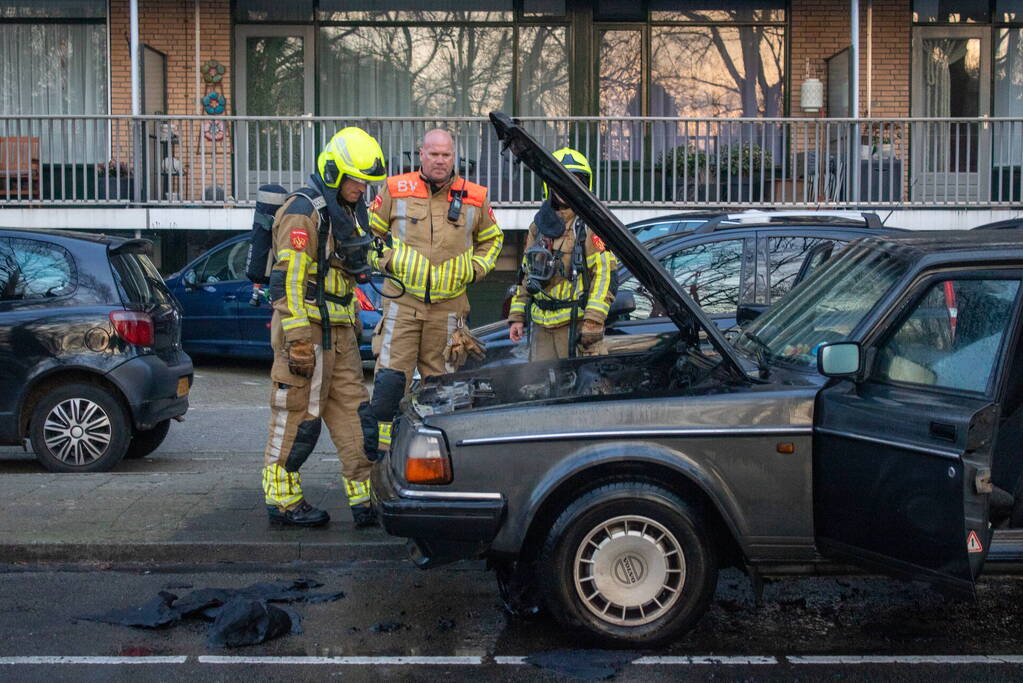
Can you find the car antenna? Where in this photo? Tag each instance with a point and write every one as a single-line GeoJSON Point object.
{"type": "Point", "coordinates": [885, 221]}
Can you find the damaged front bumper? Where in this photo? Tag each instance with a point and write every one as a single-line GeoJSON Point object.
{"type": "Point", "coordinates": [442, 526]}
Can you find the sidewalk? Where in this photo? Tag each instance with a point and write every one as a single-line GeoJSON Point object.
{"type": "Point", "coordinates": [175, 509]}
{"type": "Point", "coordinates": [197, 499]}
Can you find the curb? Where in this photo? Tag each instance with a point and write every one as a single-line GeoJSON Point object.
{"type": "Point", "coordinates": [186, 552]}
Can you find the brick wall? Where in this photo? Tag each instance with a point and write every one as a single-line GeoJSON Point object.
{"type": "Point", "coordinates": [169, 26]}
{"type": "Point", "coordinates": [820, 28]}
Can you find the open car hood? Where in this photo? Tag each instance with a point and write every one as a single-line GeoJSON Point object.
{"type": "Point", "coordinates": [682, 310]}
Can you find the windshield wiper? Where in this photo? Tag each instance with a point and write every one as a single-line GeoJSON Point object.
{"type": "Point", "coordinates": [763, 353]}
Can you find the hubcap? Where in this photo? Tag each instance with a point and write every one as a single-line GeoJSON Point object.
{"type": "Point", "coordinates": [77, 431]}
{"type": "Point", "coordinates": [629, 570]}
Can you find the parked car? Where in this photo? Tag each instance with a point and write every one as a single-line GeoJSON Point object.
{"type": "Point", "coordinates": [670, 224]}
{"type": "Point", "coordinates": [650, 229]}
{"type": "Point", "coordinates": [90, 346]}
{"type": "Point", "coordinates": [863, 419]}
{"type": "Point", "coordinates": [1008, 224]}
{"type": "Point", "coordinates": [734, 266]}
{"type": "Point", "coordinates": [219, 316]}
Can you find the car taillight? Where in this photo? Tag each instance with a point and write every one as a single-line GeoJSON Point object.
{"type": "Point", "coordinates": [133, 327]}
{"type": "Point", "coordinates": [427, 460]}
{"type": "Point", "coordinates": [364, 301]}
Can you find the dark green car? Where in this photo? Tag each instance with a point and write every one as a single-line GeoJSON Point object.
{"type": "Point", "coordinates": [871, 417]}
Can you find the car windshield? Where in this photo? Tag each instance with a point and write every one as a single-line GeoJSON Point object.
{"type": "Point", "coordinates": [826, 308]}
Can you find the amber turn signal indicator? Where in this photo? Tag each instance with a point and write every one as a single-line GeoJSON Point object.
{"type": "Point", "coordinates": [427, 460]}
{"type": "Point", "coordinates": [786, 448]}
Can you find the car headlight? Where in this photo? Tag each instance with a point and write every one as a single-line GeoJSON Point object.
{"type": "Point", "coordinates": [427, 460]}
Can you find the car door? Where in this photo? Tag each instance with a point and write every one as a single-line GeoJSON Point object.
{"type": "Point", "coordinates": [35, 277]}
{"type": "Point", "coordinates": [902, 458]}
{"type": "Point", "coordinates": [208, 296]}
{"type": "Point", "coordinates": [252, 314]}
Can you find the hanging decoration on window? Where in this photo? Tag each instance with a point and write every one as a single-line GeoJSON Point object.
{"type": "Point", "coordinates": [214, 102]}
{"type": "Point", "coordinates": [213, 71]}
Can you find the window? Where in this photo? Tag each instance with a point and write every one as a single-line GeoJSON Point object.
{"type": "Point", "coordinates": [224, 265]}
{"type": "Point", "coordinates": [710, 273]}
{"type": "Point", "coordinates": [952, 337]}
{"type": "Point", "coordinates": [35, 270]}
{"type": "Point", "coordinates": [951, 11]}
{"type": "Point", "coordinates": [428, 70]}
{"type": "Point", "coordinates": [140, 279]}
{"type": "Point", "coordinates": [50, 67]}
{"type": "Point", "coordinates": [784, 259]}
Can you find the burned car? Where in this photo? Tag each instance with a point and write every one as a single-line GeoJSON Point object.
{"type": "Point", "coordinates": [870, 418]}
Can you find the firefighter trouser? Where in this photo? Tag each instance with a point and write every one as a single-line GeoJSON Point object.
{"type": "Point", "coordinates": [298, 407]}
{"type": "Point", "coordinates": [409, 337]}
{"type": "Point", "coordinates": [549, 343]}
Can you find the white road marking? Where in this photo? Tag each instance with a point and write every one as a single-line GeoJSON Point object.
{"type": "Point", "coordinates": [349, 661]}
{"type": "Point", "coordinates": [705, 659]}
{"type": "Point", "coordinates": [518, 660]}
{"type": "Point", "coordinates": [94, 660]}
{"type": "Point", "coordinates": [908, 659]}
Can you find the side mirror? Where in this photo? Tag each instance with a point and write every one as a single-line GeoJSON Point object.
{"type": "Point", "coordinates": [190, 280]}
{"type": "Point", "coordinates": [624, 304]}
{"type": "Point", "coordinates": [748, 313]}
{"type": "Point", "coordinates": [840, 359]}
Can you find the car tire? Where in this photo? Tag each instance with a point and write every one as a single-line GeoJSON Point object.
{"type": "Point", "coordinates": [79, 428]}
{"type": "Point", "coordinates": [630, 562]}
{"type": "Point", "coordinates": [145, 441]}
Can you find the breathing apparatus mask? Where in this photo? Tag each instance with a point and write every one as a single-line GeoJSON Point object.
{"type": "Point", "coordinates": [541, 261]}
{"type": "Point", "coordinates": [541, 264]}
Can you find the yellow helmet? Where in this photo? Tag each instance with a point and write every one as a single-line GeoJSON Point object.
{"type": "Point", "coordinates": [351, 152]}
{"type": "Point", "coordinates": [575, 162]}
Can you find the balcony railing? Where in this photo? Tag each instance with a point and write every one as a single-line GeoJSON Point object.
{"type": "Point", "coordinates": [188, 161]}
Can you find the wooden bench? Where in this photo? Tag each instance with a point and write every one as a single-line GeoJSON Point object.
{"type": "Point", "coordinates": [19, 167]}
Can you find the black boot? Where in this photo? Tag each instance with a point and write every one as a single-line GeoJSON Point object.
{"type": "Point", "coordinates": [302, 514]}
{"type": "Point", "coordinates": [364, 515]}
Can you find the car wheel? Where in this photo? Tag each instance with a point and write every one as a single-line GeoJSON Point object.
{"type": "Point", "coordinates": [631, 563]}
{"type": "Point", "coordinates": [145, 441]}
{"type": "Point", "coordinates": [79, 428]}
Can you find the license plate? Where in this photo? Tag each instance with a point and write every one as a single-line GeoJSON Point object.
{"type": "Point", "coordinates": [182, 386]}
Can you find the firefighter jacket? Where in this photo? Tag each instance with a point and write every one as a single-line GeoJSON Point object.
{"type": "Point", "coordinates": [293, 279]}
{"type": "Point", "coordinates": [433, 257]}
{"type": "Point", "coordinates": [594, 304]}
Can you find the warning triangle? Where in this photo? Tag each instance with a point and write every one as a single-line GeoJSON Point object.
{"type": "Point", "coordinates": [973, 544]}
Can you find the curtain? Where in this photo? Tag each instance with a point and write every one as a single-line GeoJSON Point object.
{"type": "Point", "coordinates": [940, 54]}
{"type": "Point", "coordinates": [1008, 139]}
{"type": "Point", "coordinates": [55, 69]}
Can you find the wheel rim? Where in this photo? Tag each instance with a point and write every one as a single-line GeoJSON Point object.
{"type": "Point", "coordinates": [77, 431]}
{"type": "Point", "coordinates": [629, 570]}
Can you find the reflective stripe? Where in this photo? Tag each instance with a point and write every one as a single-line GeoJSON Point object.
{"type": "Point", "coordinates": [358, 491]}
{"type": "Point", "coordinates": [280, 403]}
{"type": "Point", "coordinates": [384, 435]}
{"type": "Point", "coordinates": [602, 265]}
{"type": "Point", "coordinates": [378, 222]}
{"type": "Point", "coordinates": [400, 214]}
{"type": "Point", "coordinates": [489, 258]}
{"type": "Point", "coordinates": [317, 382]}
{"type": "Point", "coordinates": [294, 287]}
{"type": "Point", "coordinates": [452, 323]}
{"type": "Point", "coordinates": [267, 197]}
{"type": "Point", "coordinates": [280, 487]}
{"type": "Point", "coordinates": [385, 343]}
{"type": "Point", "coordinates": [470, 221]}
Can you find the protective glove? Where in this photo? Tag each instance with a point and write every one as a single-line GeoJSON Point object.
{"type": "Point", "coordinates": [462, 345]}
{"type": "Point", "coordinates": [590, 333]}
{"type": "Point", "coordinates": [301, 358]}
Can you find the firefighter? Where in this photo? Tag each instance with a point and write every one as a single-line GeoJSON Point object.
{"type": "Point", "coordinates": [441, 235]}
{"type": "Point", "coordinates": [321, 242]}
{"type": "Point", "coordinates": [567, 285]}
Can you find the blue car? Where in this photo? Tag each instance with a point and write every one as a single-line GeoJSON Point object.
{"type": "Point", "coordinates": [218, 317]}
